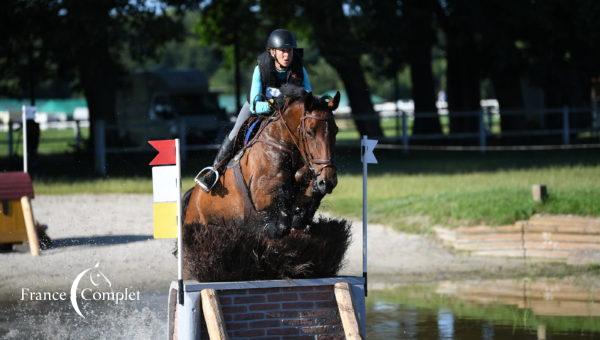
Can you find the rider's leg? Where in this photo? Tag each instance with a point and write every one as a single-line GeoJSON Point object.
{"type": "Point", "coordinates": [207, 179]}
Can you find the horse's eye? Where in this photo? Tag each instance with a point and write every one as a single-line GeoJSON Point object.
{"type": "Point", "coordinates": [310, 132]}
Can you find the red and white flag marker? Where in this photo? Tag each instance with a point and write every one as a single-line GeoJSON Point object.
{"type": "Point", "coordinates": [166, 193]}
{"type": "Point", "coordinates": [165, 188]}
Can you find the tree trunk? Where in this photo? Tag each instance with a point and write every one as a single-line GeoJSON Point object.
{"type": "Point", "coordinates": [507, 86]}
{"type": "Point", "coordinates": [421, 35]}
{"type": "Point", "coordinates": [99, 89]}
{"type": "Point", "coordinates": [365, 117]}
{"type": "Point", "coordinates": [340, 48]}
{"type": "Point", "coordinates": [463, 83]}
{"type": "Point", "coordinates": [423, 91]}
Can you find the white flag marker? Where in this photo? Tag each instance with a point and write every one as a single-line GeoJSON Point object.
{"type": "Point", "coordinates": [366, 156]}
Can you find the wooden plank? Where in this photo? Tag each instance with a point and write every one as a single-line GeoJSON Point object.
{"type": "Point", "coordinates": [561, 245]}
{"type": "Point", "coordinates": [561, 237]}
{"type": "Point", "coordinates": [346, 309]}
{"type": "Point", "coordinates": [565, 219]}
{"type": "Point", "coordinates": [500, 253]}
{"type": "Point", "coordinates": [564, 224]}
{"type": "Point", "coordinates": [213, 315]}
{"type": "Point", "coordinates": [484, 246]}
{"type": "Point", "coordinates": [490, 237]}
{"type": "Point", "coordinates": [516, 228]}
{"type": "Point", "coordinates": [34, 243]}
{"type": "Point", "coordinates": [547, 253]}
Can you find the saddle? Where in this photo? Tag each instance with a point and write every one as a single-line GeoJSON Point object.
{"type": "Point", "coordinates": [249, 132]}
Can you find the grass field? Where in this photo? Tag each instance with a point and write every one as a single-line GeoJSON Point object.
{"type": "Point", "coordinates": [52, 141]}
{"type": "Point", "coordinates": [410, 192]}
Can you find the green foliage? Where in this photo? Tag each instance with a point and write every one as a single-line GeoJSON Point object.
{"type": "Point", "coordinates": [228, 23]}
{"type": "Point", "coordinates": [415, 193]}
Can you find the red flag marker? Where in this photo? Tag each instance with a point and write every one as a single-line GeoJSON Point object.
{"type": "Point", "coordinates": [166, 152]}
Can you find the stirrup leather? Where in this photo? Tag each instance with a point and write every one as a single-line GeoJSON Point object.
{"type": "Point", "coordinates": [201, 173]}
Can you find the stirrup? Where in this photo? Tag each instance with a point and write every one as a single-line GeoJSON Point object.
{"type": "Point", "coordinates": [201, 173]}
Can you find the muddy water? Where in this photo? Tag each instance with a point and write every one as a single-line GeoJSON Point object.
{"type": "Point", "coordinates": [503, 309]}
{"type": "Point", "coordinates": [567, 308]}
{"type": "Point", "coordinates": [143, 319]}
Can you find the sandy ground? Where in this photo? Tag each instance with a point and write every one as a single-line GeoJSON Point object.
{"type": "Point", "coordinates": [116, 232]}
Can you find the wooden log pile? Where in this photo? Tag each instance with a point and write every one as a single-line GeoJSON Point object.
{"type": "Point", "coordinates": [551, 237]}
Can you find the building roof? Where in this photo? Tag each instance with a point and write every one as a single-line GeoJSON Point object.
{"type": "Point", "coordinates": [14, 185]}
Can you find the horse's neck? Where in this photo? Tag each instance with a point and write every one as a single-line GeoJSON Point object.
{"type": "Point", "coordinates": [278, 134]}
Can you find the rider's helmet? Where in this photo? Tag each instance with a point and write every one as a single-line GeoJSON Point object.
{"type": "Point", "coordinates": [281, 38]}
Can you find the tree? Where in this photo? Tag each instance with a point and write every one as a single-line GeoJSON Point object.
{"type": "Point", "coordinates": [460, 21]}
{"type": "Point", "coordinates": [235, 24]}
{"type": "Point", "coordinates": [88, 39]}
{"type": "Point", "coordinates": [332, 34]}
{"type": "Point", "coordinates": [421, 36]}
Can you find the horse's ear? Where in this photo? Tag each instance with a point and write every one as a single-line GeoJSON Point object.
{"type": "Point", "coordinates": [309, 101]}
{"type": "Point", "coordinates": [333, 103]}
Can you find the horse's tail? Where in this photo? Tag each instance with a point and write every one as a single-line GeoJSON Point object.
{"type": "Point", "coordinates": [185, 202]}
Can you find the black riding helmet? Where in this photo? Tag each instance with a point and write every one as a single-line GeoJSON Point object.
{"type": "Point", "coordinates": [282, 39]}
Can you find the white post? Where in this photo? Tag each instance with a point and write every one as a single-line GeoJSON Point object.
{"type": "Point", "coordinates": [179, 225]}
{"type": "Point", "coordinates": [364, 208]}
{"type": "Point", "coordinates": [24, 131]}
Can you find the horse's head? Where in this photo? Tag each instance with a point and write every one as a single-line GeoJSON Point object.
{"type": "Point", "coordinates": [315, 137]}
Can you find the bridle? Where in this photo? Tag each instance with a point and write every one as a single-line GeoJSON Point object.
{"type": "Point", "coordinates": [315, 165]}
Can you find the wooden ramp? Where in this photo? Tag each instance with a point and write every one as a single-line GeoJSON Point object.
{"type": "Point", "coordinates": [332, 308]}
{"type": "Point", "coordinates": [555, 238]}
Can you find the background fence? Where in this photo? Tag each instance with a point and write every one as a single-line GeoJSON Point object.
{"type": "Point", "coordinates": [554, 128]}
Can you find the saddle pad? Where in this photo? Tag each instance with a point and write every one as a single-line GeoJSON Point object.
{"type": "Point", "coordinates": [250, 130]}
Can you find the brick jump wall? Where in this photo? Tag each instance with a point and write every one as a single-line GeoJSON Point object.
{"type": "Point", "coordinates": [307, 312]}
{"type": "Point", "coordinates": [276, 309]}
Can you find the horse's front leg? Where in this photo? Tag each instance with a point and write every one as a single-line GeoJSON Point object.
{"type": "Point", "coordinates": [280, 220]}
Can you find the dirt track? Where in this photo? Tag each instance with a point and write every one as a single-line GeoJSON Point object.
{"type": "Point", "coordinates": [115, 230]}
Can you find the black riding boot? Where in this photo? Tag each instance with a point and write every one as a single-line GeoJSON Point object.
{"type": "Point", "coordinates": [207, 180]}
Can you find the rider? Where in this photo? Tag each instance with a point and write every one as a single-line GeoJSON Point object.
{"type": "Point", "coordinates": [281, 63]}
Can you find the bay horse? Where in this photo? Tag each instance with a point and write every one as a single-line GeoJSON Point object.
{"type": "Point", "coordinates": [277, 181]}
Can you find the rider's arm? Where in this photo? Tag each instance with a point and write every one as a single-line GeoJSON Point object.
{"type": "Point", "coordinates": [306, 84]}
{"type": "Point", "coordinates": [257, 106]}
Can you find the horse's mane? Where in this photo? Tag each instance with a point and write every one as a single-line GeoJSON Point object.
{"type": "Point", "coordinates": [292, 91]}
{"type": "Point", "coordinates": [297, 93]}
